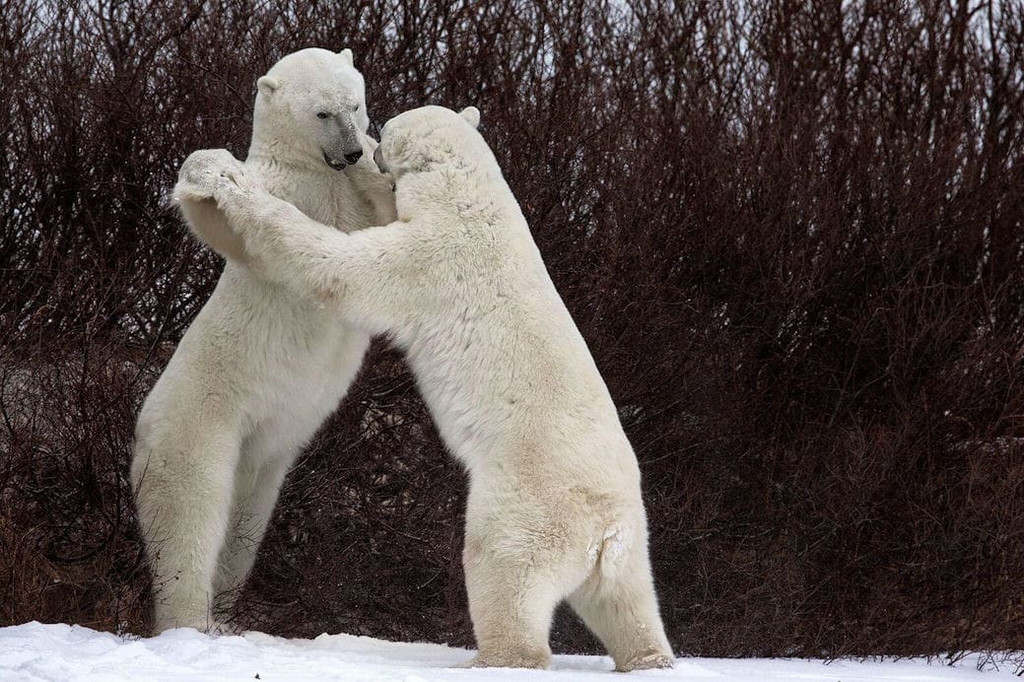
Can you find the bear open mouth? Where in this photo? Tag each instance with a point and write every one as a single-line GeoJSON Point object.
{"type": "Point", "coordinates": [336, 165]}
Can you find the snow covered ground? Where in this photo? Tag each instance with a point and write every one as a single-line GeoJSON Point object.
{"type": "Point", "coordinates": [34, 652]}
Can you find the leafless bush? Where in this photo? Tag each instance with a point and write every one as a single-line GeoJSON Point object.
{"type": "Point", "coordinates": [790, 232]}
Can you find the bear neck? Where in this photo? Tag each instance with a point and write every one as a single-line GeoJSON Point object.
{"type": "Point", "coordinates": [271, 149]}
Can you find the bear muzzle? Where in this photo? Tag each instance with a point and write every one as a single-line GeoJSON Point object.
{"type": "Point", "coordinates": [350, 159]}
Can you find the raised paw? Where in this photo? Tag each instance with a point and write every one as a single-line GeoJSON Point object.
{"type": "Point", "coordinates": [211, 174]}
{"type": "Point", "coordinates": [375, 185]}
{"type": "Point", "coordinates": [203, 168]}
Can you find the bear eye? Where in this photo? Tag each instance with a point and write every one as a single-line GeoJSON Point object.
{"type": "Point", "coordinates": [322, 114]}
{"type": "Point", "coordinates": [355, 108]}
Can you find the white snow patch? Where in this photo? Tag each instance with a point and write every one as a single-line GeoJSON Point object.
{"type": "Point", "coordinates": [34, 652]}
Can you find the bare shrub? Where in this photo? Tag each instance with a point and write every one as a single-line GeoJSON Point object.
{"type": "Point", "coordinates": [790, 232]}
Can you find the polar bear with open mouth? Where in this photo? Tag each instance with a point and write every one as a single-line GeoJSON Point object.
{"type": "Point", "coordinates": [260, 368]}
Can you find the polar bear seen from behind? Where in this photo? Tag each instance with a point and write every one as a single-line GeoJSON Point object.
{"type": "Point", "coordinates": [554, 509]}
{"type": "Point", "coordinates": [261, 367]}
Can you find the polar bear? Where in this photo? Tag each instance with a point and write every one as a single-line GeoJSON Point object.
{"type": "Point", "coordinates": [554, 509]}
{"type": "Point", "coordinates": [261, 367]}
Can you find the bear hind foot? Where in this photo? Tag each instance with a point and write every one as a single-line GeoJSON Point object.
{"type": "Point", "coordinates": [646, 662]}
{"type": "Point", "coordinates": [508, 659]}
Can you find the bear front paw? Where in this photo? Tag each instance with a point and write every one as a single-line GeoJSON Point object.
{"type": "Point", "coordinates": [201, 165]}
{"type": "Point", "coordinates": [212, 174]}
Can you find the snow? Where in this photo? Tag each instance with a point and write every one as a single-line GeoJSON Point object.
{"type": "Point", "coordinates": [34, 652]}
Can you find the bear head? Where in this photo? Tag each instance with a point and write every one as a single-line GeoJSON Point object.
{"type": "Point", "coordinates": [418, 139]}
{"type": "Point", "coordinates": [312, 103]}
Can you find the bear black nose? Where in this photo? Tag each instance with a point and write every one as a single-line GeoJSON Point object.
{"type": "Point", "coordinates": [354, 156]}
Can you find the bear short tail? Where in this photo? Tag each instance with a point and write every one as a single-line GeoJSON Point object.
{"type": "Point", "coordinates": [610, 552]}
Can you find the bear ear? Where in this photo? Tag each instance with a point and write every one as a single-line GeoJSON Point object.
{"type": "Point", "coordinates": [472, 116]}
{"type": "Point", "coordinates": [267, 84]}
{"type": "Point", "coordinates": [346, 57]}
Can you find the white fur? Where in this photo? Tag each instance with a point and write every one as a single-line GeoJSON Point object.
{"type": "Point", "coordinates": [261, 367]}
{"type": "Point", "coordinates": [554, 507]}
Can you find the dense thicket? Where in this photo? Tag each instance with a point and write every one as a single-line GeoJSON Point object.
{"type": "Point", "coordinates": [790, 232]}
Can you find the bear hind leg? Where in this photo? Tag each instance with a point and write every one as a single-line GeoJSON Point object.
{"type": "Point", "coordinates": [511, 604]}
{"type": "Point", "coordinates": [183, 494]}
{"type": "Point", "coordinates": [622, 611]}
{"type": "Point", "coordinates": [257, 488]}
